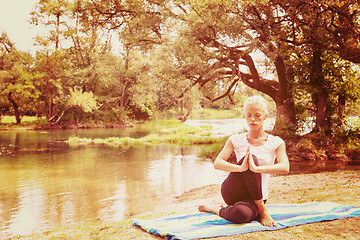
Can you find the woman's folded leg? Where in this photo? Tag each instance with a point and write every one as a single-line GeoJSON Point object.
{"type": "Point", "coordinates": [240, 212]}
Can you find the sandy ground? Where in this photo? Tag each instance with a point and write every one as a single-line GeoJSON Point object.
{"type": "Point", "coordinates": [342, 187]}
{"type": "Point", "coordinates": [283, 189]}
{"type": "Point", "coordinates": [279, 188]}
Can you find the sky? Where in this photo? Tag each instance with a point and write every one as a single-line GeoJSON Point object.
{"type": "Point", "coordinates": [14, 16]}
{"type": "Point", "coordinates": [14, 20]}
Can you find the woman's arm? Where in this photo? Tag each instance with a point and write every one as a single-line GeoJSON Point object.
{"type": "Point", "coordinates": [282, 165]}
{"type": "Point", "coordinates": [221, 162]}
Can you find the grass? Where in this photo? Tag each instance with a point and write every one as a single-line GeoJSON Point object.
{"type": "Point", "coordinates": [28, 122]}
{"type": "Point", "coordinates": [165, 132]}
{"type": "Point", "coordinates": [24, 119]}
{"type": "Point", "coordinates": [346, 191]}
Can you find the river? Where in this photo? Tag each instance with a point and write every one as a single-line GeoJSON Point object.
{"type": "Point", "coordinates": [46, 184]}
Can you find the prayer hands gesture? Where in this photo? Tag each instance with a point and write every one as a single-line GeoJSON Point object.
{"type": "Point", "coordinates": [248, 162]}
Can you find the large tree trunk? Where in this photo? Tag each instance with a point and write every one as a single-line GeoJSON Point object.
{"type": "Point", "coordinates": [285, 116]}
{"type": "Point", "coordinates": [341, 111]}
{"type": "Point", "coordinates": [285, 107]}
{"type": "Point", "coordinates": [16, 108]}
{"type": "Point", "coordinates": [278, 91]}
{"type": "Point", "coordinates": [321, 95]}
{"type": "Point", "coordinates": [322, 123]}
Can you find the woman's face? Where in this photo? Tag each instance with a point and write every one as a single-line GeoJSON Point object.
{"type": "Point", "coordinates": [255, 115]}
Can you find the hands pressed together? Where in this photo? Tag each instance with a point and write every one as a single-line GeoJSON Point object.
{"type": "Point", "coordinates": [248, 162]}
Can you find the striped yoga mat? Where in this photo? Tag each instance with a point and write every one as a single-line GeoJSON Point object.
{"type": "Point", "coordinates": [205, 225]}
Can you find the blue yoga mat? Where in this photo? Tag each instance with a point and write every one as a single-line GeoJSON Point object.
{"type": "Point", "coordinates": [205, 225]}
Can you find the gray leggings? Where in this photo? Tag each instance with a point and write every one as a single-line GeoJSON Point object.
{"type": "Point", "coordinates": [239, 190]}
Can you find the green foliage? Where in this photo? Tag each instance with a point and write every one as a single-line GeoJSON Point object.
{"type": "Point", "coordinates": [181, 56]}
{"type": "Point", "coordinates": [41, 122]}
{"type": "Point", "coordinates": [350, 137]}
{"type": "Point", "coordinates": [86, 63]}
{"type": "Point", "coordinates": [141, 111]}
{"type": "Point", "coordinates": [85, 100]}
{"type": "Point", "coordinates": [342, 86]}
{"type": "Point", "coordinates": [18, 90]}
{"type": "Point", "coordinates": [306, 144]}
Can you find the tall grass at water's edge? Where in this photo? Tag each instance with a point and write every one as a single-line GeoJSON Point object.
{"type": "Point", "coordinates": [165, 132]}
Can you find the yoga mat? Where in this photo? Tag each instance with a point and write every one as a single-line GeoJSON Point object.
{"type": "Point", "coordinates": [206, 225]}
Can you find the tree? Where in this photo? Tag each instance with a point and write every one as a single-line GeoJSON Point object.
{"type": "Point", "coordinates": [326, 30]}
{"type": "Point", "coordinates": [343, 88]}
{"type": "Point", "coordinates": [177, 69]}
{"type": "Point", "coordinates": [287, 50]}
{"type": "Point", "coordinates": [127, 87]}
{"type": "Point", "coordinates": [17, 79]}
{"type": "Point", "coordinates": [68, 53]}
{"type": "Point", "coordinates": [76, 54]}
{"type": "Point", "coordinates": [137, 24]}
{"type": "Point", "coordinates": [225, 37]}
{"type": "Point", "coordinates": [50, 13]}
{"type": "Point", "coordinates": [50, 59]}
{"type": "Point", "coordinates": [283, 31]}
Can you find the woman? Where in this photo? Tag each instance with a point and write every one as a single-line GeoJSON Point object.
{"type": "Point", "coordinates": [245, 190]}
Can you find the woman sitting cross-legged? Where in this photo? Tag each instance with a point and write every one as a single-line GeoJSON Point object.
{"type": "Point", "coordinates": [259, 154]}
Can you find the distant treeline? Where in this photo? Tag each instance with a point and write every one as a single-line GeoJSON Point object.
{"type": "Point", "coordinates": [111, 61]}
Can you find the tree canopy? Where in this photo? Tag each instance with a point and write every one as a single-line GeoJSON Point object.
{"type": "Point", "coordinates": [130, 59]}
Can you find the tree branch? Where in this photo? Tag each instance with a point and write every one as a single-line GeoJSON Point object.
{"type": "Point", "coordinates": [182, 94]}
{"type": "Point", "coordinates": [228, 90]}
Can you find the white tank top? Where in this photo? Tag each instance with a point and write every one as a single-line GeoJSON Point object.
{"type": "Point", "coordinates": [265, 153]}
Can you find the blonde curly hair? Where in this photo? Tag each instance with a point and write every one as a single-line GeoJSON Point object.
{"type": "Point", "coordinates": [258, 100]}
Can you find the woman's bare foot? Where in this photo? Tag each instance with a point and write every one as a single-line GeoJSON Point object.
{"type": "Point", "coordinates": [210, 209]}
{"type": "Point", "coordinates": [264, 214]}
{"type": "Point", "coordinates": [266, 219]}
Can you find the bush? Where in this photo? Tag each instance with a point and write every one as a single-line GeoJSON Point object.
{"type": "Point", "coordinates": [141, 111]}
{"type": "Point", "coordinates": [41, 122]}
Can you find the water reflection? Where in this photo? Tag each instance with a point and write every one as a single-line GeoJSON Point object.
{"type": "Point", "coordinates": [45, 184]}
{"type": "Point", "coordinates": [60, 185]}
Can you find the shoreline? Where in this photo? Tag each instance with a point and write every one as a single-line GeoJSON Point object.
{"type": "Point", "coordinates": [311, 148]}
{"type": "Point", "coordinates": [310, 152]}
{"type": "Point", "coordinates": [13, 126]}
{"type": "Point", "coordinates": [342, 187]}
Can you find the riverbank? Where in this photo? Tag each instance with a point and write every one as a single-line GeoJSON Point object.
{"type": "Point", "coordinates": [35, 123]}
{"type": "Point", "coordinates": [315, 151]}
{"type": "Point", "coordinates": [41, 124]}
{"type": "Point", "coordinates": [342, 187]}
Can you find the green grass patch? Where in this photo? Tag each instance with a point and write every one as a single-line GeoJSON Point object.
{"type": "Point", "coordinates": [164, 132]}
{"type": "Point", "coordinates": [24, 119]}
{"type": "Point", "coordinates": [9, 122]}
